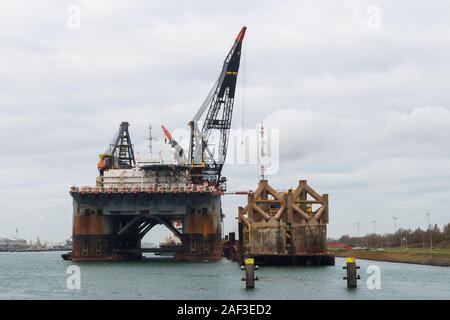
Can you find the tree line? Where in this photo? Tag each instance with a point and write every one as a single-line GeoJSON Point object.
{"type": "Point", "coordinates": [401, 238]}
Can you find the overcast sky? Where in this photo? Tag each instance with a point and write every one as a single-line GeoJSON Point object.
{"type": "Point", "coordinates": [359, 91]}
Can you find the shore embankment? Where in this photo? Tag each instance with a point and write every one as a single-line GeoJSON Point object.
{"type": "Point", "coordinates": [436, 257]}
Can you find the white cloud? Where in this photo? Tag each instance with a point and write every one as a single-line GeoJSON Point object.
{"type": "Point", "coordinates": [427, 125]}
{"type": "Point", "coordinates": [363, 114]}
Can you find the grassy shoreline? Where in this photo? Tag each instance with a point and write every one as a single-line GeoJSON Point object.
{"type": "Point", "coordinates": [437, 257]}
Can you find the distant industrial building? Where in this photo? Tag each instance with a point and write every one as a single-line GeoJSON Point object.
{"type": "Point", "coordinates": [12, 244]}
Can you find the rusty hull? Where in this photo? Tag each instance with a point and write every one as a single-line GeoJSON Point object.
{"type": "Point", "coordinates": [283, 227]}
{"type": "Point", "coordinates": [110, 226]}
{"type": "Point", "coordinates": [201, 238]}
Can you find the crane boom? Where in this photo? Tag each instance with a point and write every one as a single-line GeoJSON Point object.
{"type": "Point", "coordinates": [120, 153]}
{"type": "Point", "coordinates": [179, 152]}
{"type": "Point", "coordinates": [219, 111]}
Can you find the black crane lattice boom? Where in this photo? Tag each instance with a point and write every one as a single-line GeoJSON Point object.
{"type": "Point", "coordinates": [219, 115]}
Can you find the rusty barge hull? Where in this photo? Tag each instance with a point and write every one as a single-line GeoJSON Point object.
{"type": "Point", "coordinates": [109, 223]}
{"type": "Point", "coordinates": [282, 228]}
{"type": "Point", "coordinates": [294, 260]}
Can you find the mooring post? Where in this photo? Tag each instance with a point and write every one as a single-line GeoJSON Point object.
{"type": "Point", "coordinates": [352, 275]}
{"type": "Point", "coordinates": [249, 277]}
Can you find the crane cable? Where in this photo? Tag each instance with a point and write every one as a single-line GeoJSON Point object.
{"type": "Point", "coordinates": [243, 91]}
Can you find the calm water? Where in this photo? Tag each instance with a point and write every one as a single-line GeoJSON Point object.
{"type": "Point", "coordinates": [42, 275]}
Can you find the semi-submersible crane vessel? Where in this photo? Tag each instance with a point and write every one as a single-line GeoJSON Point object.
{"type": "Point", "coordinates": [129, 199]}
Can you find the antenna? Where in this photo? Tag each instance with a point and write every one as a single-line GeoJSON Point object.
{"type": "Point", "coordinates": [428, 214]}
{"type": "Point", "coordinates": [395, 223]}
{"type": "Point", "coordinates": [373, 237]}
{"type": "Point", "coordinates": [150, 141]}
{"type": "Point", "coordinates": [263, 153]}
{"type": "Point", "coordinates": [357, 229]}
